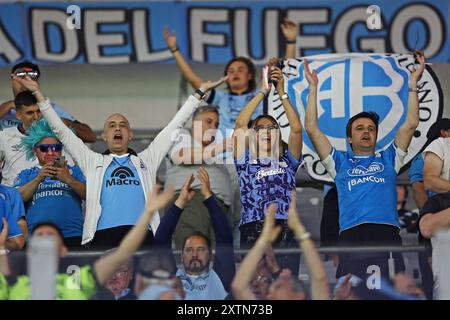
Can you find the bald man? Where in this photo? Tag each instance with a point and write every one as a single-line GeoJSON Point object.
{"type": "Point", "coordinates": [118, 181]}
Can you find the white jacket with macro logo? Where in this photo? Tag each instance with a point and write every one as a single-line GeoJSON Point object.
{"type": "Point", "coordinates": [94, 164]}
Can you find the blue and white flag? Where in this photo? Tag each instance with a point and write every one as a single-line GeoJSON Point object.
{"type": "Point", "coordinates": [352, 83]}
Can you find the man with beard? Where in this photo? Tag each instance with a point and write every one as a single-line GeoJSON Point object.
{"type": "Point", "coordinates": [200, 280]}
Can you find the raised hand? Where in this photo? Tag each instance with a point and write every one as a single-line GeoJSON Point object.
{"type": "Point", "coordinates": [27, 83]}
{"type": "Point", "coordinates": [276, 75]}
{"type": "Point", "coordinates": [312, 78]}
{"type": "Point", "coordinates": [185, 195]}
{"type": "Point", "coordinates": [270, 231]}
{"type": "Point", "coordinates": [4, 234]}
{"type": "Point", "coordinates": [289, 29]}
{"type": "Point", "coordinates": [170, 38]}
{"type": "Point", "coordinates": [203, 176]}
{"type": "Point", "coordinates": [158, 201]}
{"type": "Point", "coordinates": [206, 86]}
{"type": "Point", "coordinates": [294, 222]}
{"type": "Point", "coordinates": [415, 76]}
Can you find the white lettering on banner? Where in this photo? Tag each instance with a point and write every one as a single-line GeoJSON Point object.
{"type": "Point", "coordinates": [313, 16]}
{"type": "Point", "coordinates": [242, 39]}
{"type": "Point", "coordinates": [8, 50]}
{"type": "Point", "coordinates": [271, 172]}
{"type": "Point", "coordinates": [331, 33]}
{"type": "Point", "coordinates": [355, 182]}
{"type": "Point", "coordinates": [427, 15]}
{"type": "Point", "coordinates": [95, 41]}
{"type": "Point", "coordinates": [142, 40]}
{"type": "Point", "coordinates": [199, 38]}
{"type": "Point", "coordinates": [41, 19]}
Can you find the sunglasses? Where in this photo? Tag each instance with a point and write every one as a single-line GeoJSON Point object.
{"type": "Point", "coordinates": [27, 72]}
{"type": "Point", "coordinates": [268, 128]}
{"type": "Point", "coordinates": [46, 147]}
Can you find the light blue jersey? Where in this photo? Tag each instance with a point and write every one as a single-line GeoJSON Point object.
{"type": "Point", "coordinates": [7, 198]}
{"type": "Point", "coordinates": [366, 186]}
{"type": "Point", "coordinates": [415, 172]}
{"type": "Point", "coordinates": [122, 197]}
{"type": "Point", "coordinates": [230, 105]}
{"type": "Point", "coordinates": [54, 201]}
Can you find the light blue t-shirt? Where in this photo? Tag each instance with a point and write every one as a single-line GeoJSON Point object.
{"type": "Point", "coordinates": [366, 186]}
{"type": "Point", "coordinates": [54, 201]}
{"type": "Point", "coordinates": [230, 105]}
{"type": "Point", "coordinates": [122, 197]}
{"type": "Point", "coordinates": [10, 209]}
{"type": "Point", "coordinates": [10, 120]}
{"type": "Point", "coordinates": [415, 172]}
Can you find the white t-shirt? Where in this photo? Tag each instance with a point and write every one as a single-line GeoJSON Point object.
{"type": "Point", "coordinates": [441, 147]}
{"type": "Point", "coordinates": [176, 175]}
{"type": "Point", "coordinates": [14, 158]}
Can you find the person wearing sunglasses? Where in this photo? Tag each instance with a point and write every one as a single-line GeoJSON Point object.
{"type": "Point", "coordinates": [266, 168]}
{"type": "Point", "coordinates": [52, 191]}
{"type": "Point", "coordinates": [8, 109]}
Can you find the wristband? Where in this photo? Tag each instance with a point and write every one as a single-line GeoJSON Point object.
{"type": "Point", "coordinates": [200, 93]}
{"type": "Point", "coordinates": [412, 90]}
{"type": "Point", "coordinates": [284, 96]}
{"type": "Point", "coordinates": [173, 50]}
{"type": "Point", "coordinates": [4, 252]}
{"type": "Point", "coordinates": [264, 94]}
{"type": "Point", "coordinates": [304, 236]}
{"type": "Point", "coordinates": [291, 41]}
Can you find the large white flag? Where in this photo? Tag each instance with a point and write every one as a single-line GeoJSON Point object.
{"type": "Point", "coordinates": [352, 83]}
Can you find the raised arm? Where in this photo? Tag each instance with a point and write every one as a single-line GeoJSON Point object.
{"type": "Point", "coordinates": [200, 155]}
{"type": "Point", "coordinates": [106, 266]}
{"type": "Point", "coordinates": [319, 140]}
{"type": "Point", "coordinates": [406, 131]}
{"type": "Point", "coordinates": [224, 264]}
{"type": "Point", "coordinates": [290, 32]}
{"type": "Point", "coordinates": [319, 280]}
{"type": "Point", "coordinates": [189, 73]}
{"type": "Point", "coordinates": [5, 107]}
{"type": "Point", "coordinates": [241, 282]}
{"type": "Point", "coordinates": [158, 148]}
{"type": "Point", "coordinates": [166, 228]}
{"type": "Point", "coordinates": [82, 130]}
{"type": "Point", "coordinates": [240, 129]}
{"type": "Point", "coordinates": [69, 139]}
{"type": "Point", "coordinates": [432, 174]}
{"type": "Point", "coordinates": [295, 142]}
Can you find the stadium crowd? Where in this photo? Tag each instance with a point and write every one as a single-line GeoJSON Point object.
{"type": "Point", "coordinates": [230, 183]}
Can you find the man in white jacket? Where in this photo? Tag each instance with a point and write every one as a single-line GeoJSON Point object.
{"type": "Point", "coordinates": [118, 181]}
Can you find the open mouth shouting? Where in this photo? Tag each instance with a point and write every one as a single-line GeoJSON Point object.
{"type": "Point", "coordinates": [118, 138]}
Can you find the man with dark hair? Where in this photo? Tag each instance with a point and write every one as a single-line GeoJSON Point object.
{"type": "Point", "coordinates": [91, 277]}
{"type": "Point", "coordinates": [200, 279]}
{"type": "Point", "coordinates": [8, 109]}
{"type": "Point", "coordinates": [365, 178]}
